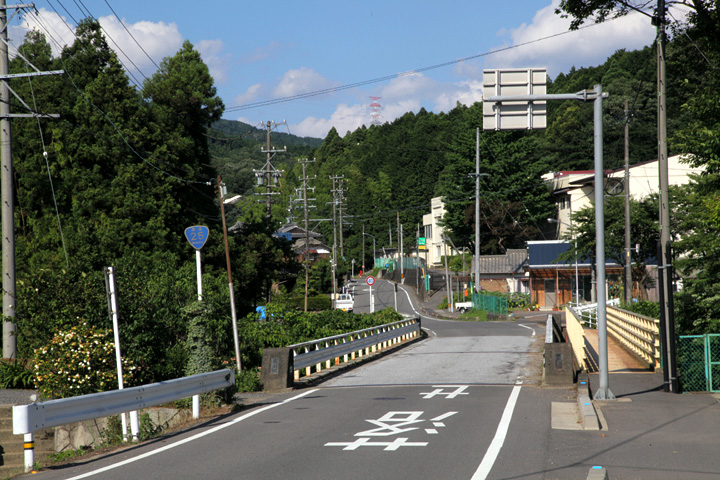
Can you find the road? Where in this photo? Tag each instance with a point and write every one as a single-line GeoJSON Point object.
{"type": "Point", "coordinates": [458, 405]}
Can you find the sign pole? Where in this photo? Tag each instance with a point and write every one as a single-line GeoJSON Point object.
{"type": "Point", "coordinates": [197, 235]}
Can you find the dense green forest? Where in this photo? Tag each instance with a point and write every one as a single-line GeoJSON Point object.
{"type": "Point", "coordinates": [119, 176]}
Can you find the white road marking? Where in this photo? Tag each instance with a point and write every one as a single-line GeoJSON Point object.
{"type": "Point", "coordinates": [529, 328]}
{"type": "Point", "coordinates": [190, 439]}
{"type": "Point", "coordinates": [494, 449]}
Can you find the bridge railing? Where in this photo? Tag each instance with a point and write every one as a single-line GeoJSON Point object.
{"type": "Point", "coordinates": [316, 355]}
{"type": "Point", "coordinates": [640, 335]}
{"type": "Point", "coordinates": [576, 335]}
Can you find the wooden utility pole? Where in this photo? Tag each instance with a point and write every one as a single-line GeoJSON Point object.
{"type": "Point", "coordinates": [6, 183]}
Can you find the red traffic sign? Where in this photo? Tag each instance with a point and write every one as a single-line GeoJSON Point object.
{"type": "Point", "coordinates": [370, 280]}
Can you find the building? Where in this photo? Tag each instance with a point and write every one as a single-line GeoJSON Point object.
{"type": "Point", "coordinates": [575, 190]}
{"type": "Point", "coordinates": [505, 273]}
{"type": "Point", "coordinates": [435, 246]}
{"type": "Point", "coordinates": [298, 236]}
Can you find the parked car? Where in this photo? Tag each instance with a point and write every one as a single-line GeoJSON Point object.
{"type": "Point", "coordinates": [344, 302]}
{"type": "Point", "coordinates": [463, 307]}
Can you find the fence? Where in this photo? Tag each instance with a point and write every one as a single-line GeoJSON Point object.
{"type": "Point", "coordinates": [490, 303]}
{"type": "Point", "coordinates": [698, 360]}
{"type": "Point", "coordinates": [576, 335]}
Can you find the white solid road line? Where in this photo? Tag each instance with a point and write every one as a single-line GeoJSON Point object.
{"type": "Point", "coordinates": [189, 439]}
{"type": "Point", "coordinates": [494, 449]}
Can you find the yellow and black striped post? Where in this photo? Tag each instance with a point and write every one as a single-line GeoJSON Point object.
{"type": "Point", "coordinates": [29, 444]}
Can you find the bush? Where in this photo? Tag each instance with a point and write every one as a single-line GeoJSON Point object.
{"type": "Point", "coordinates": [648, 309]}
{"type": "Point", "coordinates": [78, 361]}
{"type": "Point", "coordinates": [15, 375]}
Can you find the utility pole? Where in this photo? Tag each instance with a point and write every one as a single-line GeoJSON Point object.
{"type": "Point", "coordinates": [340, 205]}
{"type": "Point", "coordinates": [477, 175]}
{"type": "Point", "coordinates": [665, 270]}
{"type": "Point", "coordinates": [628, 252]}
{"type": "Point", "coordinates": [6, 184]}
{"type": "Point", "coordinates": [221, 191]}
{"type": "Point", "coordinates": [269, 175]}
{"type": "Point", "coordinates": [305, 188]}
{"type": "Point", "coordinates": [334, 252]}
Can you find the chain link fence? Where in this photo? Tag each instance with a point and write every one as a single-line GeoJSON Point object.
{"type": "Point", "coordinates": [698, 360]}
{"type": "Point", "coordinates": [490, 303]}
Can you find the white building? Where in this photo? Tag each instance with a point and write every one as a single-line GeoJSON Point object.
{"type": "Point", "coordinates": [575, 190]}
{"type": "Point", "coordinates": [433, 234]}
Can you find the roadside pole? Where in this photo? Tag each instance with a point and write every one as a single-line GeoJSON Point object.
{"type": "Point", "coordinates": [197, 235]}
{"type": "Point", "coordinates": [493, 118]}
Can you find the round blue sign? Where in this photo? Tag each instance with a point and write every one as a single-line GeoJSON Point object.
{"type": "Point", "coordinates": [197, 235]}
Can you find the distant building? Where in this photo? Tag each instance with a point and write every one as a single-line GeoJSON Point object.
{"type": "Point", "coordinates": [505, 273]}
{"type": "Point", "coordinates": [298, 236]}
{"type": "Point", "coordinates": [433, 232]}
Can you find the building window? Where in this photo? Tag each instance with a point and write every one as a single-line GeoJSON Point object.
{"type": "Point", "coordinates": [564, 202]}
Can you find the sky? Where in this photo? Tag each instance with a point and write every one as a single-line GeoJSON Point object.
{"type": "Point", "coordinates": [316, 64]}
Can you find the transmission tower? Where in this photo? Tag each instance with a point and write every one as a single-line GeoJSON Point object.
{"type": "Point", "coordinates": [375, 110]}
{"type": "Point", "coordinates": [269, 176]}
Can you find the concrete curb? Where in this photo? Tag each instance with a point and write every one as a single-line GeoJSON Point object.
{"type": "Point", "coordinates": [588, 415]}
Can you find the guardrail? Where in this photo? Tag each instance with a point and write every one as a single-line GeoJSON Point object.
{"type": "Point", "coordinates": [637, 333]}
{"type": "Point", "coordinates": [27, 419]}
{"type": "Point", "coordinates": [325, 352]}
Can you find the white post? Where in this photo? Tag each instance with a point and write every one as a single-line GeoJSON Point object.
{"type": "Point", "coordinates": [198, 268]}
{"type": "Point", "coordinates": [29, 442]}
{"type": "Point", "coordinates": [116, 337]}
{"type": "Point", "coordinates": [372, 301]}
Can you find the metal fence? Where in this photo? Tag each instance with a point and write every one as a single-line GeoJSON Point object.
{"type": "Point", "coordinates": [698, 359]}
{"type": "Point", "coordinates": [490, 303]}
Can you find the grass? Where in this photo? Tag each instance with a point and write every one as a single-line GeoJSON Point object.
{"type": "Point", "coordinates": [474, 315]}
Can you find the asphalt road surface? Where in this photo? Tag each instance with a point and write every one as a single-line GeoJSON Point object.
{"type": "Point", "coordinates": [457, 405]}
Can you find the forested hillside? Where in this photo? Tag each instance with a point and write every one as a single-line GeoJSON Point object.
{"type": "Point", "coordinates": [120, 175]}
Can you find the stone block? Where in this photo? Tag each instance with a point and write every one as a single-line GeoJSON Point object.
{"type": "Point", "coordinates": [277, 369]}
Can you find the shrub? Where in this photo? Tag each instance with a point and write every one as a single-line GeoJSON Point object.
{"type": "Point", "coordinates": [15, 375]}
{"type": "Point", "coordinates": [78, 361]}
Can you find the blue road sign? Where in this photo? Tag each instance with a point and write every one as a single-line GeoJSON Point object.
{"type": "Point", "coordinates": [197, 235]}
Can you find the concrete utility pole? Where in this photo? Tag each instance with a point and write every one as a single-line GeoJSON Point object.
{"type": "Point", "coordinates": [665, 270]}
{"type": "Point", "coordinates": [6, 184]}
{"type": "Point", "coordinates": [340, 205]}
{"type": "Point", "coordinates": [334, 252]}
{"type": "Point", "coordinates": [628, 251]}
{"type": "Point", "coordinates": [477, 175]}
{"type": "Point", "coordinates": [305, 188]}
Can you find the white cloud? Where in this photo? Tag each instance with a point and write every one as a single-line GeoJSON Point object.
{"type": "Point", "coordinates": [252, 93]}
{"type": "Point", "coordinates": [213, 56]}
{"type": "Point", "coordinates": [467, 93]}
{"type": "Point", "coordinates": [49, 23]}
{"type": "Point", "coordinates": [588, 46]}
{"type": "Point", "coordinates": [156, 39]}
{"type": "Point", "coordinates": [299, 81]}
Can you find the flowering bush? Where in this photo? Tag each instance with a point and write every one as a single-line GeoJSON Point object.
{"type": "Point", "coordinates": [78, 361]}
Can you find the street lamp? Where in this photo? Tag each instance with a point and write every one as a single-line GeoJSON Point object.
{"type": "Point", "coordinates": [577, 277]}
{"type": "Point", "coordinates": [368, 235]}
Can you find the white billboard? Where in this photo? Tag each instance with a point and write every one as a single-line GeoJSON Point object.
{"type": "Point", "coordinates": [514, 115]}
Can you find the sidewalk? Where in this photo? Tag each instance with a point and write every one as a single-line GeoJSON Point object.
{"type": "Point", "coordinates": [647, 433]}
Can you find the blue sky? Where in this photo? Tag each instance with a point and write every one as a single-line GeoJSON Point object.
{"type": "Point", "coordinates": [263, 51]}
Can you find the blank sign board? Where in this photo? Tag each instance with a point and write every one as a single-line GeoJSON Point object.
{"type": "Point", "coordinates": [514, 115]}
